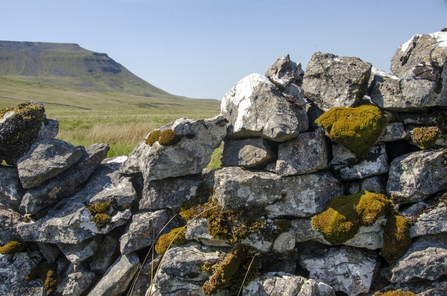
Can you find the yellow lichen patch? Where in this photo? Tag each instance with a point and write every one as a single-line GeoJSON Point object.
{"type": "Point", "coordinates": [395, 293]}
{"type": "Point", "coordinates": [425, 137]}
{"type": "Point", "coordinates": [357, 129]}
{"type": "Point", "coordinates": [101, 220]}
{"type": "Point", "coordinates": [176, 237]}
{"type": "Point", "coordinates": [396, 238]}
{"type": "Point", "coordinates": [98, 208]}
{"type": "Point", "coordinates": [12, 247]}
{"type": "Point", "coordinates": [344, 215]}
{"type": "Point", "coordinates": [47, 274]}
{"type": "Point", "coordinates": [168, 138]}
{"type": "Point", "coordinates": [153, 137]}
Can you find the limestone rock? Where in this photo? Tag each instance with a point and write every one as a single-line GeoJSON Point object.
{"type": "Point", "coordinates": [11, 190]}
{"type": "Point", "coordinates": [394, 132]}
{"type": "Point", "coordinates": [425, 259]}
{"type": "Point", "coordinates": [8, 223]}
{"type": "Point", "coordinates": [170, 193]}
{"type": "Point", "coordinates": [257, 241]}
{"type": "Point", "coordinates": [198, 230]}
{"type": "Point", "coordinates": [49, 129]}
{"type": "Point", "coordinates": [19, 127]}
{"type": "Point", "coordinates": [75, 281]}
{"type": "Point", "coordinates": [46, 159]}
{"type": "Point", "coordinates": [411, 176]}
{"type": "Point", "coordinates": [349, 167]}
{"type": "Point", "coordinates": [247, 153]}
{"type": "Point", "coordinates": [145, 276]}
{"type": "Point", "coordinates": [118, 277]}
{"type": "Point", "coordinates": [332, 81]}
{"type": "Point", "coordinates": [49, 252]}
{"type": "Point", "coordinates": [285, 72]}
{"type": "Point", "coordinates": [385, 90]}
{"type": "Point", "coordinates": [106, 254]}
{"type": "Point", "coordinates": [76, 253]}
{"type": "Point", "coordinates": [13, 270]}
{"type": "Point", "coordinates": [372, 184]}
{"type": "Point", "coordinates": [64, 185]}
{"type": "Point", "coordinates": [285, 242]}
{"type": "Point", "coordinates": [255, 107]}
{"type": "Point", "coordinates": [284, 284]}
{"type": "Point", "coordinates": [305, 154]}
{"type": "Point", "coordinates": [431, 221]}
{"type": "Point", "coordinates": [344, 268]}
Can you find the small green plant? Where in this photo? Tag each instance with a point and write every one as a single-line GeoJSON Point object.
{"type": "Point", "coordinates": [98, 211]}
{"type": "Point", "coordinates": [47, 274]}
{"type": "Point", "coordinates": [12, 247]}
{"type": "Point", "coordinates": [101, 220]}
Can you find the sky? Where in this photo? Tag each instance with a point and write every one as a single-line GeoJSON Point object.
{"type": "Point", "coordinates": [201, 48]}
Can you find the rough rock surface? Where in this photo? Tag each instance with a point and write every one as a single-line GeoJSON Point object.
{"type": "Point", "coordinates": [49, 129]}
{"type": "Point", "coordinates": [332, 81]}
{"type": "Point", "coordinates": [411, 176]}
{"type": "Point", "coordinates": [255, 107]}
{"type": "Point", "coordinates": [284, 72]}
{"type": "Point", "coordinates": [106, 254]}
{"type": "Point", "coordinates": [344, 268]}
{"type": "Point", "coordinates": [394, 132]}
{"type": "Point", "coordinates": [8, 223]}
{"type": "Point", "coordinates": [11, 190]}
{"type": "Point", "coordinates": [13, 270]}
{"type": "Point", "coordinates": [372, 184]}
{"type": "Point", "coordinates": [76, 253]}
{"type": "Point", "coordinates": [248, 153]}
{"type": "Point", "coordinates": [46, 159]}
{"type": "Point", "coordinates": [432, 221]}
{"type": "Point", "coordinates": [75, 281]}
{"type": "Point", "coordinates": [306, 154]}
{"type": "Point", "coordinates": [198, 230]}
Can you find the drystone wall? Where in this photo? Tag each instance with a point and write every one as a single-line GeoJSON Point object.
{"type": "Point", "coordinates": [333, 182]}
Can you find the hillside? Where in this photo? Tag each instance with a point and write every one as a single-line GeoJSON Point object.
{"type": "Point", "coordinates": [69, 65]}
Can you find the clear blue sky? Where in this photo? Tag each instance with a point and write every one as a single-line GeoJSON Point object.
{"type": "Point", "coordinates": [201, 48]}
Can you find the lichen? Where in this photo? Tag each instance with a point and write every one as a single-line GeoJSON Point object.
{"type": "Point", "coordinates": [395, 293]}
{"type": "Point", "coordinates": [168, 138]}
{"type": "Point", "coordinates": [396, 238]}
{"type": "Point", "coordinates": [12, 247]}
{"type": "Point", "coordinates": [357, 129]}
{"type": "Point", "coordinates": [176, 236]}
{"type": "Point", "coordinates": [342, 218]}
{"type": "Point", "coordinates": [425, 137]}
{"type": "Point", "coordinates": [47, 274]}
{"type": "Point", "coordinates": [101, 220]}
{"type": "Point", "coordinates": [153, 137]}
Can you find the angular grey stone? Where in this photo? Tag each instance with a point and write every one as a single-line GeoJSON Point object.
{"type": "Point", "coordinates": [431, 221]}
{"type": "Point", "coordinates": [247, 153]}
{"type": "Point", "coordinates": [49, 129]}
{"type": "Point", "coordinates": [75, 281]}
{"type": "Point", "coordinates": [285, 72]}
{"type": "Point", "coordinates": [143, 230]}
{"type": "Point", "coordinates": [76, 253]}
{"type": "Point", "coordinates": [198, 230]}
{"type": "Point", "coordinates": [199, 138]}
{"type": "Point", "coordinates": [332, 81]}
{"type": "Point", "coordinates": [11, 190]}
{"type": "Point", "coordinates": [70, 222]}
{"type": "Point", "coordinates": [255, 107]}
{"type": "Point", "coordinates": [349, 167]}
{"type": "Point", "coordinates": [344, 268]}
{"type": "Point", "coordinates": [51, 192]}
{"type": "Point", "coordinates": [118, 277]}
{"type": "Point", "coordinates": [425, 259]}
{"type": "Point", "coordinates": [46, 159]}
{"type": "Point", "coordinates": [305, 154]}
{"type": "Point", "coordinates": [257, 241]}
{"type": "Point", "coordinates": [418, 118]}
{"type": "Point", "coordinates": [394, 132]}
{"type": "Point", "coordinates": [49, 252]}
{"type": "Point", "coordinates": [8, 223]}
{"type": "Point", "coordinates": [412, 176]}
{"type": "Point", "coordinates": [13, 270]}
{"type": "Point", "coordinates": [170, 193]}
{"type": "Point", "coordinates": [386, 91]}
{"type": "Point", "coordinates": [285, 242]}
{"type": "Point", "coordinates": [372, 184]}
{"type": "Point", "coordinates": [106, 254]}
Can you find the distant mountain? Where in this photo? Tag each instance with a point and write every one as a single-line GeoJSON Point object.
{"type": "Point", "coordinates": [70, 65]}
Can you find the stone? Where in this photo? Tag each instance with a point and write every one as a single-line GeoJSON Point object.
{"type": "Point", "coordinates": [106, 254]}
{"type": "Point", "coordinates": [305, 154]}
{"type": "Point", "coordinates": [255, 107]}
{"type": "Point", "coordinates": [52, 191]}
{"type": "Point", "coordinates": [76, 253]}
{"type": "Point", "coordinates": [411, 177]}
{"type": "Point", "coordinates": [247, 153]}
{"type": "Point", "coordinates": [49, 129]}
{"type": "Point", "coordinates": [345, 269]}
{"type": "Point", "coordinates": [257, 241]}
{"type": "Point", "coordinates": [70, 222]}
{"type": "Point", "coordinates": [171, 193]}
{"type": "Point", "coordinates": [13, 270]}
{"type": "Point", "coordinates": [118, 277]}
{"type": "Point", "coordinates": [394, 132]}
{"type": "Point", "coordinates": [385, 90]}
{"type": "Point", "coordinates": [372, 184]}
{"type": "Point", "coordinates": [285, 242]}
{"type": "Point", "coordinates": [19, 127]}
{"type": "Point", "coordinates": [75, 281]}
{"type": "Point", "coordinates": [285, 284]}
{"type": "Point", "coordinates": [284, 72]}
{"type": "Point", "coordinates": [144, 276]}
{"type": "Point", "coordinates": [349, 167]}
{"type": "Point", "coordinates": [49, 252]}
{"type": "Point", "coordinates": [143, 230]}
{"type": "Point", "coordinates": [11, 190]}
{"type": "Point", "coordinates": [46, 159]}
{"type": "Point", "coordinates": [425, 259]}
{"type": "Point", "coordinates": [8, 223]}
{"type": "Point", "coordinates": [199, 138]}
{"type": "Point", "coordinates": [332, 81]}
{"type": "Point", "coordinates": [198, 230]}
{"type": "Point", "coordinates": [433, 220]}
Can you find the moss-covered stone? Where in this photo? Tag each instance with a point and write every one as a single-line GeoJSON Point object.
{"type": "Point", "coordinates": [176, 236]}
{"type": "Point", "coordinates": [101, 220]}
{"type": "Point", "coordinates": [47, 274]}
{"type": "Point", "coordinates": [12, 247]}
{"type": "Point", "coordinates": [344, 215]}
{"type": "Point", "coordinates": [396, 238]}
{"type": "Point", "coordinates": [98, 208]}
{"type": "Point", "coordinates": [19, 127]}
{"type": "Point", "coordinates": [153, 137]}
{"type": "Point", "coordinates": [168, 138]}
{"type": "Point", "coordinates": [424, 136]}
{"type": "Point", "coordinates": [357, 129]}
{"type": "Point", "coordinates": [395, 293]}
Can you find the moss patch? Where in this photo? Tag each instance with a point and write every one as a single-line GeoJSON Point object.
{"type": "Point", "coordinates": [153, 137]}
{"type": "Point", "coordinates": [396, 238]}
{"type": "Point", "coordinates": [395, 293]}
{"type": "Point", "coordinates": [101, 220]}
{"type": "Point", "coordinates": [12, 247]}
{"type": "Point", "coordinates": [168, 138]}
{"type": "Point", "coordinates": [357, 129]}
{"type": "Point", "coordinates": [165, 240]}
{"type": "Point", "coordinates": [98, 211]}
{"type": "Point", "coordinates": [47, 274]}
{"type": "Point", "coordinates": [425, 137]}
{"type": "Point", "coordinates": [344, 215]}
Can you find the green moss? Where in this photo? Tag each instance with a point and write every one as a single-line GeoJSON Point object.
{"type": "Point", "coordinates": [425, 137]}
{"type": "Point", "coordinates": [101, 220]}
{"type": "Point", "coordinates": [153, 137]}
{"type": "Point", "coordinates": [395, 293]}
{"type": "Point", "coordinates": [98, 208]}
{"type": "Point", "coordinates": [168, 138]}
{"type": "Point", "coordinates": [357, 129]}
{"type": "Point", "coordinates": [47, 274]}
{"type": "Point", "coordinates": [344, 215]}
{"type": "Point", "coordinates": [396, 238]}
{"type": "Point", "coordinates": [165, 240]}
{"type": "Point", "coordinates": [248, 270]}
{"type": "Point", "coordinates": [12, 247]}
